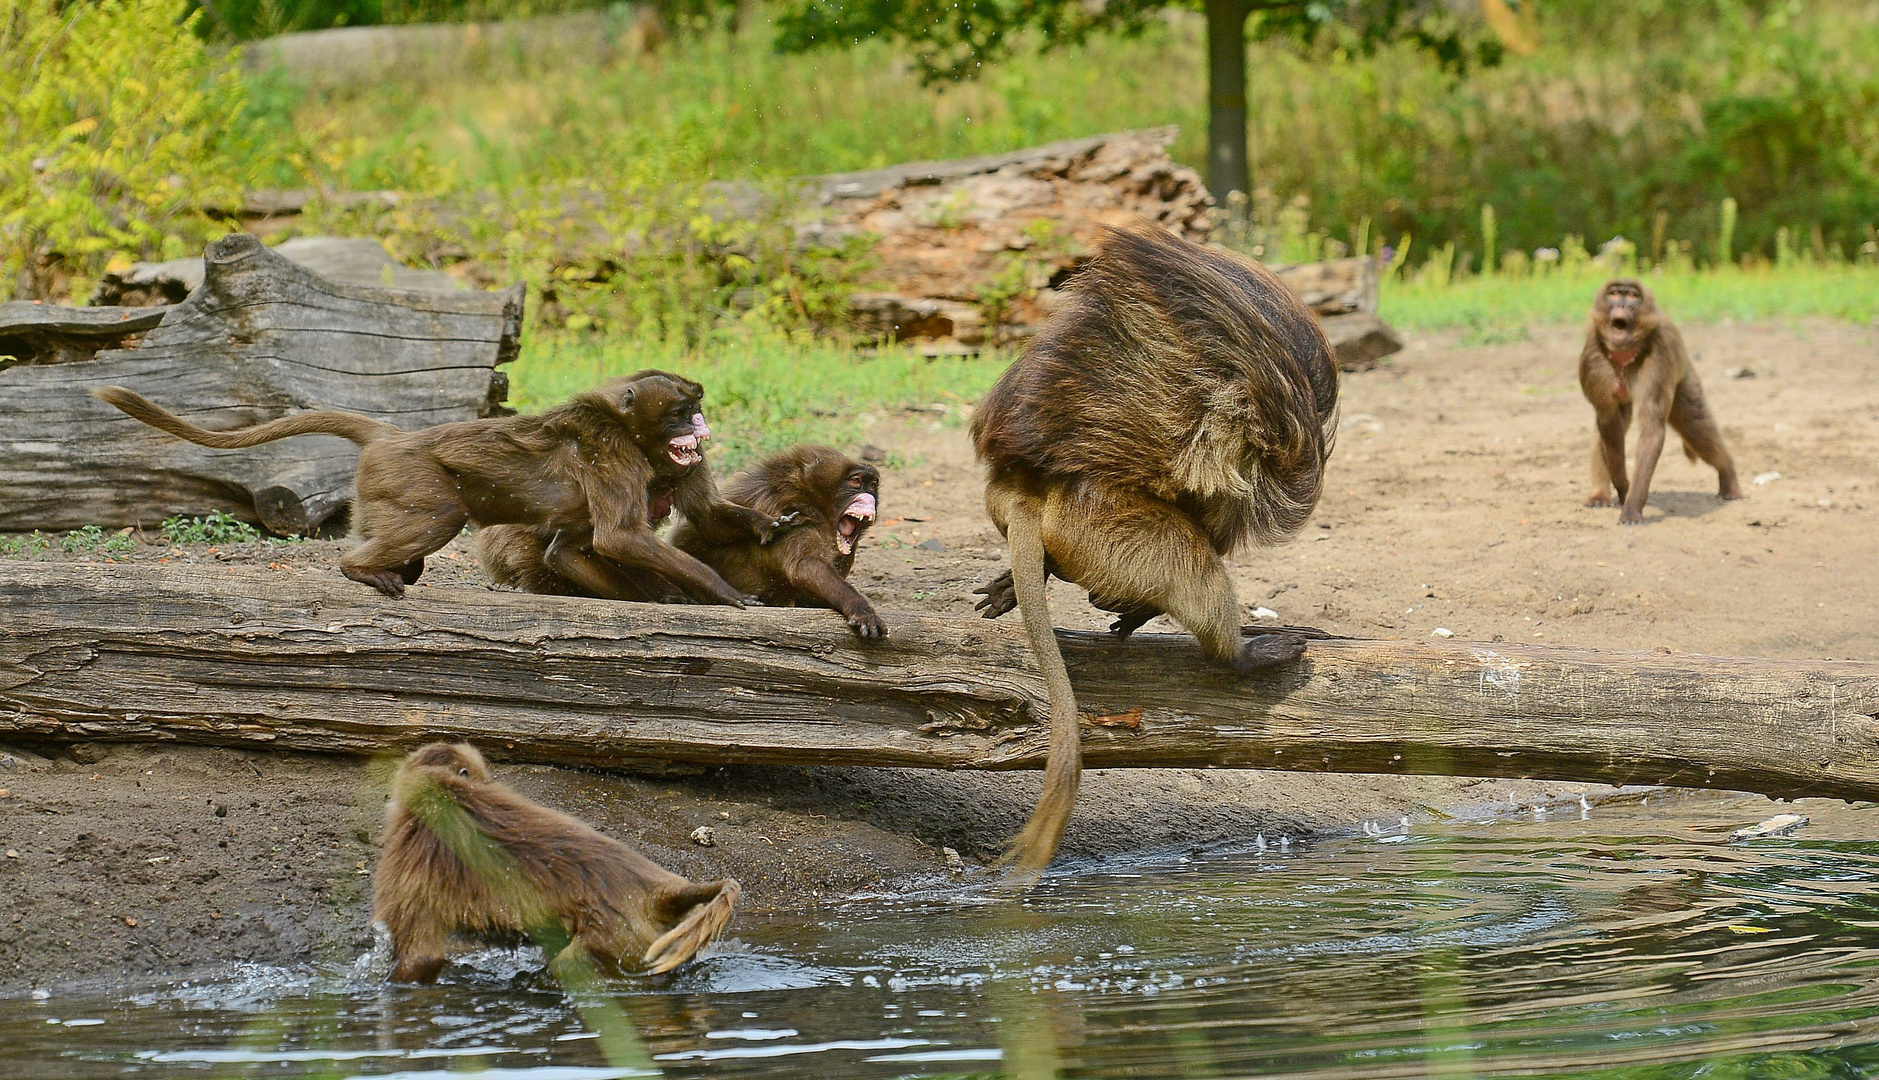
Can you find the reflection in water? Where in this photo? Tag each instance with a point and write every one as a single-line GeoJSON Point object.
{"type": "Point", "coordinates": [1633, 944]}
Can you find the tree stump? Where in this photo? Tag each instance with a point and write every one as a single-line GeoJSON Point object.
{"type": "Point", "coordinates": [260, 338]}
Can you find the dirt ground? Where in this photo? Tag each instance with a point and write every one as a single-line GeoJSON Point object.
{"type": "Point", "coordinates": [1454, 501]}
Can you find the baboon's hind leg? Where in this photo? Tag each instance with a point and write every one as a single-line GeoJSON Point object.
{"type": "Point", "coordinates": [394, 558]}
{"type": "Point", "coordinates": [420, 950]}
{"type": "Point", "coordinates": [699, 912]}
{"type": "Point", "coordinates": [1690, 417]}
{"type": "Point", "coordinates": [1139, 553]}
{"type": "Point", "coordinates": [1601, 477]}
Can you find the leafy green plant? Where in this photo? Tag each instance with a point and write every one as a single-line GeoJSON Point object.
{"type": "Point", "coordinates": [119, 137]}
{"type": "Point", "coordinates": [217, 528]}
{"type": "Point", "coordinates": [24, 546]}
{"type": "Point", "coordinates": [92, 540]}
{"type": "Point", "coordinates": [82, 541]}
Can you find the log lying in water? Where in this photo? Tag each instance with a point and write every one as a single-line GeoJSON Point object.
{"type": "Point", "coordinates": [314, 662]}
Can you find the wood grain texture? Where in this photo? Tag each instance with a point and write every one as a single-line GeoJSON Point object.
{"type": "Point", "coordinates": [260, 338]}
{"type": "Point", "coordinates": [314, 662]}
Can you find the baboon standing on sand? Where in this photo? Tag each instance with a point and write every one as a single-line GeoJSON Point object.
{"type": "Point", "coordinates": [1634, 361]}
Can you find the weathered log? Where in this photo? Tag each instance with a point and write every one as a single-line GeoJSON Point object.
{"type": "Point", "coordinates": [372, 55]}
{"type": "Point", "coordinates": [1336, 287]}
{"type": "Point", "coordinates": [32, 333]}
{"type": "Point", "coordinates": [1360, 340]}
{"type": "Point", "coordinates": [313, 662]}
{"type": "Point", "coordinates": [358, 259]}
{"type": "Point", "coordinates": [259, 338]}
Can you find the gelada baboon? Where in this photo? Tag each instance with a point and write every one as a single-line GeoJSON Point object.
{"type": "Point", "coordinates": [827, 501]}
{"type": "Point", "coordinates": [1634, 360]}
{"type": "Point", "coordinates": [466, 858]}
{"type": "Point", "coordinates": [1178, 406]}
{"type": "Point", "coordinates": [832, 501]}
{"type": "Point", "coordinates": [589, 475]}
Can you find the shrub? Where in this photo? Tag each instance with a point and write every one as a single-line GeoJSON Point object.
{"type": "Point", "coordinates": [217, 528]}
{"type": "Point", "coordinates": [119, 134]}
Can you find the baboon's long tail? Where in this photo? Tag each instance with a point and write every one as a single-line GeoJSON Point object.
{"type": "Point", "coordinates": [1033, 848]}
{"type": "Point", "coordinates": [359, 429]}
{"type": "Point", "coordinates": [694, 931]}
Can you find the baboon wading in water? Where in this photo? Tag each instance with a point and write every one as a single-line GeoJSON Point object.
{"type": "Point", "coordinates": [467, 858]}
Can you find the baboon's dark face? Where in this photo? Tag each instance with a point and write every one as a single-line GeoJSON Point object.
{"type": "Point", "coordinates": [856, 500]}
{"type": "Point", "coordinates": [666, 415]}
{"type": "Point", "coordinates": [1623, 310]}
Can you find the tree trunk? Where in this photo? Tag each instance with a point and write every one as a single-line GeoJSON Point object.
{"type": "Point", "coordinates": [257, 338]}
{"type": "Point", "coordinates": [314, 662]}
{"type": "Point", "coordinates": [1227, 169]}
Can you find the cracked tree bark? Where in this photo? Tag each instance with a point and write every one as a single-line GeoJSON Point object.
{"type": "Point", "coordinates": [314, 662]}
{"type": "Point", "coordinates": [259, 338]}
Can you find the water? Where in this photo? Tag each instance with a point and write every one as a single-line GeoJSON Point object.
{"type": "Point", "coordinates": [1627, 941]}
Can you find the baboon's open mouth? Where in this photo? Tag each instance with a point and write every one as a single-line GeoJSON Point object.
{"type": "Point", "coordinates": [683, 450]}
{"type": "Point", "coordinates": [856, 517]}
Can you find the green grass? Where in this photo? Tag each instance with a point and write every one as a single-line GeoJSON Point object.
{"type": "Point", "coordinates": [765, 392]}
{"type": "Point", "coordinates": [762, 393]}
{"type": "Point", "coordinates": [737, 108]}
{"type": "Point", "coordinates": [1636, 122]}
{"type": "Point", "coordinates": [1487, 306]}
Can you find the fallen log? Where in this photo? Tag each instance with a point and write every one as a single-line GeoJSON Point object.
{"type": "Point", "coordinates": [358, 259]}
{"type": "Point", "coordinates": [257, 338]}
{"type": "Point", "coordinates": [313, 662]}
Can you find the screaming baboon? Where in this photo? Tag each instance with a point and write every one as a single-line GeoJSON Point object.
{"type": "Point", "coordinates": [1179, 405]}
{"type": "Point", "coordinates": [1634, 358]}
{"type": "Point", "coordinates": [833, 502]}
{"type": "Point", "coordinates": [467, 857]}
{"type": "Point", "coordinates": [590, 476]}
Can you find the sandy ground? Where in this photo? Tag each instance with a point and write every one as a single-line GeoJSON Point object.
{"type": "Point", "coordinates": [1454, 501]}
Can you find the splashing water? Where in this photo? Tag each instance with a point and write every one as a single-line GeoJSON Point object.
{"type": "Point", "coordinates": [1617, 941]}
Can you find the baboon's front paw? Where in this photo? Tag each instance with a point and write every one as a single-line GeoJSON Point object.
{"type": "Point", "coordinates": [1600, 500]}
{"type": "Point", "coordinates": [1728, 494]}
{"type": "Point", "coordinates": [1269, 650]}
{"type": "Point", "coordinates": [1631, 517]}
{"type": "Point", "coordinates": [867, 625]}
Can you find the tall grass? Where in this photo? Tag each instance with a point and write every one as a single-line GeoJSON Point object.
{"type": "Point", "coordinates": [742, 110]}
{"type": "Point", "coordinates": [1501, 306]}
{"type": "Point", "coordinates": [1636, 119]}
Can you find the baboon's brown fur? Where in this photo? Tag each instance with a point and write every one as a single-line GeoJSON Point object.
{"type": "Point", "coordinates": [1634, 360]}
{"type": "Point", "coordinates": [517, 556]}
{"type": "Point", "coordinates": [1178, 406]}
{"type": "Point", "coordinates": [590, 477]}
{"type": "Point", "coordinates": [833, 501]}
{"type": "Point", "coordinates": [465, 857]}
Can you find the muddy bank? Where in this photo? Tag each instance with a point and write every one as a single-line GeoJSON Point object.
{"type": "Point", "coordinates": [1454, 501]}
{"type": "Point", "coordinates": [140, 861]}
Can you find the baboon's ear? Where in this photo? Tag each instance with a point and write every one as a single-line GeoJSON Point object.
{"type": "Point", "coordinates": [626, 397]}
